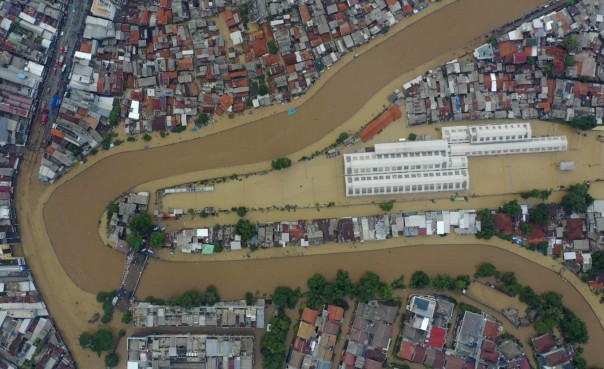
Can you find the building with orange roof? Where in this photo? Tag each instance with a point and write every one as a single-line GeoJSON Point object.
{"type": "Point", "coordinates": [309, 315]}
{"type": "Point", "coordinates": [382, 121]}
{"type": "Point", "coordinates": [226, 101]}
{"type": "Point", "coordinates": [335, 313]}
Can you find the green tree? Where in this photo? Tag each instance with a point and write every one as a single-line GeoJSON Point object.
{"type": "Point", "coordinates": [570, 43]}
{"type": "Point", "coordinates": [577, 199]}
{"type": "Point", "coordinates": [512, 208]}
{"type": "Point", "coordinates": [101, 340]}
{"type": "Point", "coordinates": [525, 228]}
{"type": "Point", "coordinates": [412, 136]}
{"type": "Point", "coordinates": [188, 300]}
{"type": "Point", "coordinates": [249, 298]}
{"type": "Point", "coordinates": [573, 329]}
{"type": "Point", "coordinates": [114, 116]}
{"type": "Point", "coordinates": [529, 297]}
{"type": "Point", "coordinates": [272, 345]}
{"type": "Point", "coordinates": [343, 285]}
{"type": "Point", "coordinates": [462, 282]}
{"type": "Point", "coordinates": [385, 292]}
{"type": "Point", "coordinates": [399, 283]}
{"type": "Point", "coordinates": [140, 223]}
{"type": "Point", "coordinates": [368, 287]}
{"type": "Point", "coordinates": [211, 296]}
{"type": "Point", "coordinates": [508, 278]}
{"type": "Point", "coordinates": [112, 208]}
{"type": "Point", "coordinates": [147, 137]}
{"type": "Point", "coordinates": [262, 89]}
{"type": "Point", "coordinates": [285, 297]}
{"type": "Point", "coordinates": [539, 214]}
{"type": "Point", "coordinates": [111, 360]}
{"type": "Point", "coordinates": [545, 194]}
{"type": "Point", "coordinates": [135, 241]}
{"type": "Point", "coordinates": [570, 60]}
{"type": "Point", "coordinates": [442, 282]}
{"type": "Point", "coordinates": [272, 47]}
{"type": "Point", "coordinates": [242, 211]}
{"type": "Point", "coordinates": [487, 225]}
{"type": "Point", "coordinates": [127, 317]}
{"type": "Point", "coordinates": [387, 206]}
{"type": "Point", "coordinates": [157, 239]}
{"type": "Point", "coordinates": [341, 138]}
{"type": "Point", "coordinates": [245, 229]}
{"type": "Point", "coordinates": [281, 163]}
{"type": "Point", "coordinates": [585, 122]}
{"type": "Point", "coordinates": [419, 280]}
{"type": "Point", "coordinates": [486, 270]}
{"type": "Point", "coordinates": [202, 119]}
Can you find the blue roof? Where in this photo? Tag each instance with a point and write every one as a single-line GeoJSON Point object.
{"type": "Point", "coordinates": [421, 303]}
{"type": "Point", "coordinates": [323, 365]}
{"type": "Point", "coordinates": [4, 129]}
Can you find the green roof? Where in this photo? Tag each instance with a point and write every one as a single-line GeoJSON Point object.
{"type": "Point", "coordinates": [207, 249]}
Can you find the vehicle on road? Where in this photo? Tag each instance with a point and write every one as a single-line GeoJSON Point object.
{"type": "Point", "coordinates": [48, 91]}
{"type": "Point", "coordinates": [60, 60]}
{"type": "Point", "coordinates": [44, 119]}
{"type": "Point", "coordinates": [54, 71]}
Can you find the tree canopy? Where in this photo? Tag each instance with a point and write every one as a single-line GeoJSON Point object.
{"type": "Point", "coordinates": [570, 43]}
{"type": "Point", "coordinates": [419, 280]}
{"type": "Point", "coordinates": [99, 341]}
{"type": "Point", "coordinates": [140, 223]}
{"type": "Point", "coordinates": [281, 163]}
{"type": "Point", "coordinates": [539, 214]}
{"type": "Point", "coordinates": [585, 122]}
{"type": "Point", "coordinates": [135, 241]}
{"type": "Point", "coordinates": [285, 297]}
{"type": "Point", "coordinates": [111, 360]}
{"type": "Point", "coordinates": [245, 229]}
{"type": "Point", "coordinates": [487, 225]}
{"type": "Point", "coordinates": [368, 287]}
{"type": "Point", "coordinates": [157, 239]}
{"type": "Point", "coordinates": [512, 208]}
{"type": "Point", "coordinates": [272, 345]}
{"type": "Point", "coordinates": [486, 270]}
{"type": "Point", "coordinates": [577, 199]}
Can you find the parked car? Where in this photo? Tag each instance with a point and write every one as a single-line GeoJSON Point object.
{"type": "Point", "coordinates": [54, 72]}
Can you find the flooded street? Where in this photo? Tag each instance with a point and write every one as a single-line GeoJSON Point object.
{"type": "Point", "coordinates": [67, 219]}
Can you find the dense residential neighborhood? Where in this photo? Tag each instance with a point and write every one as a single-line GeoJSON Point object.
{"type": "Point", "coordinates": [547, 68]}
{"type": "Point", "coordinates": [77, 78]}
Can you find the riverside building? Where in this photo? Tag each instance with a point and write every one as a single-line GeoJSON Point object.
{"type": "Point", "coordinates": [438, 165]}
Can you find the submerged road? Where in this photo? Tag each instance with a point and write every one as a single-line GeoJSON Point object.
{"type": "Point", "coordinates": [73, 210]}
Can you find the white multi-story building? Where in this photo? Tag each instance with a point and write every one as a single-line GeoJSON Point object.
{"type": "Point", "coordinates": [439, 165]}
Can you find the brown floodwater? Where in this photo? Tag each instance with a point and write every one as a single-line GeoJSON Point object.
{"type": "Point", "coordinates": [72, 213]}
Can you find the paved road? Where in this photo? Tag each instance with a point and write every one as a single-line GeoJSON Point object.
{"type": "Point", "coordinates": [70, 32]}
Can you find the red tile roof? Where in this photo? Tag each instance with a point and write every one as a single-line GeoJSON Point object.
{"type": "Point", "coordinates": [543, 343]}
{"type": "Point", "coordinates": [574, 227]}
{"type": "Point", "coordinates": [381, 122]}
{"type": "Point", "coordinates": [490, 330]}
{"type": "Point", "coordinates": [310, 316]}
{"type": "Point", "coordinates": [406, 351]}
{"type": "Point", "coordinates": [503, 223]}
{"type": "Point", "coordinates": [335, 312]}
{"type": "Point", "coordinates": [437, 337]}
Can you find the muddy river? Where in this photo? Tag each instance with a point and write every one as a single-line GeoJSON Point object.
{"type": "Point", "coordinates": [72, 213]}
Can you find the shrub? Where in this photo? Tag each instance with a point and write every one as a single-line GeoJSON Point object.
{"type": "Point", "coordinates": [281, 163]}
{"type": "Point", "coordinates": [147, 137]}
{"type": "Point", "coordinates": [387, 206]}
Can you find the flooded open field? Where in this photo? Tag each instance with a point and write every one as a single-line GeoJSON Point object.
{"type": "Point", "coordinates": [322, 180]}
{"type": "Point", "coordinates": [78, 264]}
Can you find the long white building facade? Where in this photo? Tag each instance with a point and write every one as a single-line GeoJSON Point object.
{"type": "Point", "coordinates": [438, 165]}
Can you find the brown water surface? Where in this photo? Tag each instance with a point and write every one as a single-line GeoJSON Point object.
{"type": "Point", "coordinates": [72, 213]}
